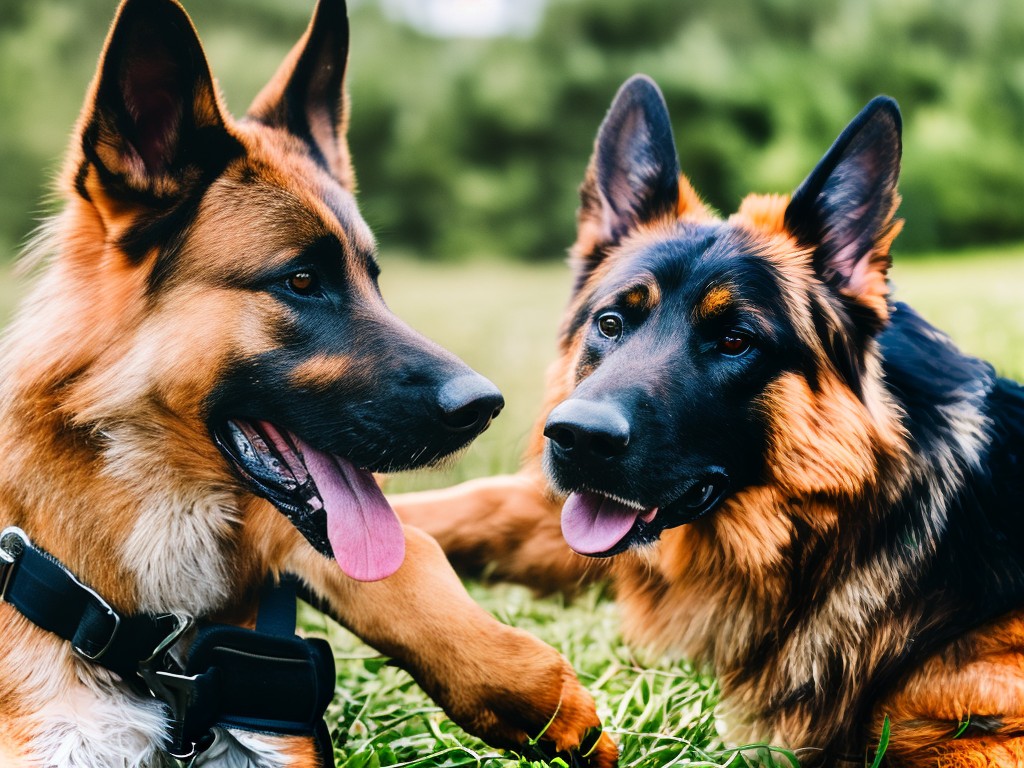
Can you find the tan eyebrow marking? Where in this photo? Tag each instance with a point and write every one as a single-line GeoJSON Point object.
{"type": "Point", "coordinates": [714, 302]}
{"type": "Point", "coordinates": [645, 296]}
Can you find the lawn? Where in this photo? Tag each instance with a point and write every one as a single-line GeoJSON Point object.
{"type": "Point", "coordinates": [502, 319]}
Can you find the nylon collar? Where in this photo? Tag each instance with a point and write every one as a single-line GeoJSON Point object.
{"type": "Point", "coordinates": [267, 680]}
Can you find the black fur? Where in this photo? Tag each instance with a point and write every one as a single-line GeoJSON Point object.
{"type": "Point", "coordinates": [952, 541]}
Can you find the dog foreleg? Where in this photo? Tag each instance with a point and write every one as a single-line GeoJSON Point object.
{"type": "Point", "coordinates": [497, 682]}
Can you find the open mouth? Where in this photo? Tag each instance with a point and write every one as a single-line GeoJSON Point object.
{"type": "Point", "coordinates": [599, 525]}
{"type": "Point", "coordinates": [336, 505]}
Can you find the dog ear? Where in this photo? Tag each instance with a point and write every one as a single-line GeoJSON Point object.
{"type": "Point", "coordinates": [307, 94]}
{"type": "Point", "coordinates": [844, 211]}
{"type": "Point", "coordinates": [633, 175]}
{"type": "Point", "coordinates": [153, 120]}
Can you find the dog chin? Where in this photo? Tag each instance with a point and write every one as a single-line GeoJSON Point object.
{"type": "Point", "coordinates": [646, 552]}
{"type": "Point", "coordinates": [447, 461]}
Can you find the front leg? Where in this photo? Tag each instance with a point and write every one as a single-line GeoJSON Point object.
{"type": "Point", "coordinates": [508, 525]}
{"type": "Point", "coordinates": [497, 682]}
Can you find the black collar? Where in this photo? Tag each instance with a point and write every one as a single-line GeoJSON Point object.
{"type": "Point", "coordinates": [48, 594]}
{"type": "Point", "coordinates": [267, 680]}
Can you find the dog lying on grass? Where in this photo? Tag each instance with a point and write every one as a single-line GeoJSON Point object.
{"type": "Point", "coordinates": [785, 475]}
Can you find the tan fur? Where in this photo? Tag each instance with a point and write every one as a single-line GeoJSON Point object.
{"type": "Point", "coordinates": [824, 442]}
{"type": "Point", "coordinates": [690, 207]}
{"type": "Point", "coordinates": [976, 686]}
{"type": "Point", "coordinates": [525, 533]}
{"type": "Point", "coordinates": [321, 371]}
{"type": "Point", "coordinates": [108, 464]}
{"type": "Point", "coordinates": [644, 297]}
{"type": "Point", "coordinates": [715, 302]}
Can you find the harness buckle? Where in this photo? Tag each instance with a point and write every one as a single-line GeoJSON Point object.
{"type": "Point", "coordinates": [13, 541]}
{"type": "Point", "coordinates": [175, 691]}
{"type": "Point", "coordinates": [94, 657]}
{"type": "Point", "coordinates": [172, 688]}
{"type": "Point", "coordinates": [183, 623]}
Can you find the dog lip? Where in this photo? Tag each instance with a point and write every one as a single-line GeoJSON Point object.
{"type": "Point", "coordinates": [698, 494]}
{"type": "Point", "coordinates": [694, 500]}
{"type": "Point", "coordinates": [699, 497]}
{"type": "Point", "coordinates": [258, 464]}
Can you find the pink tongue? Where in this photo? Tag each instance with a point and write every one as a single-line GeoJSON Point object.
{"type": "Point", "coordinates": [593, 523]}
{"type": "Point", "coordinates": [365, 534]}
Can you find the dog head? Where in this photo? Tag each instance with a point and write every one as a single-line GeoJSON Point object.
{"type": "Point", "coordinates": [217, 291]}
{"type": "Point", "coordinates": [707, 357]}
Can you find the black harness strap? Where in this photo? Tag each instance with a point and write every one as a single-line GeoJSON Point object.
{"type": "Point", "coordinates": [266, 680]}
{"type": "Point", "coordinates": [49, 596]}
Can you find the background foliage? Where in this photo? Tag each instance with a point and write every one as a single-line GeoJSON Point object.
{"type": "Point", "coordinates": [476, 146]}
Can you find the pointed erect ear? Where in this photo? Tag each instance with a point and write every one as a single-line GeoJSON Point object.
{"type": "Point", "coordinates": [844, 210]}
{"type": "Point", "coordinates": [153, 121]}
{"type": "Point", "coordinates": [633, 176]}
{"type": "Point", "coordinates": [306, 96]}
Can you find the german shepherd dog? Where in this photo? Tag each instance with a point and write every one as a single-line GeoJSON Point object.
{"type": "Point", "coordinates": [804, 484]}
{"type": "Point", "coordinates": [205, 330]}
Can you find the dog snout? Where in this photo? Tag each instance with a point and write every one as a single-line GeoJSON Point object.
{"type": "Point", "coordinates": [585, 430]}
{"type": "Point", "coordinates": [468, 403]}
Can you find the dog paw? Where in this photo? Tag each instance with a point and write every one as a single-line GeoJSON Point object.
{"type": "Point", "coordinates": [532, 704]}
{"type": "Point", "coordinates": [573, 732]}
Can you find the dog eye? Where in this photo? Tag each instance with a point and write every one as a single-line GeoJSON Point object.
{"type": "Point", "coordinates": [610, 325]}
{"type": "Point", "coordinates": [735, 343]}
{"type": "Point", "coordinates": [304, 283]}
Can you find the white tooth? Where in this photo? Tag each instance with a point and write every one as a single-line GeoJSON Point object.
{"type": "Point", "coordinates": [625, 502]}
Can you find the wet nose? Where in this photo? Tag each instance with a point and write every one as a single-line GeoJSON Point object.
{"type": "Point", "coordinates": [584, 429]}
{"type": "Point", "coordinates": [468, 403]}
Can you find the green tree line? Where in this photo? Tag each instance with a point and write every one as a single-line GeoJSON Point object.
{"type": "Point", "coordinates": [476, 146]}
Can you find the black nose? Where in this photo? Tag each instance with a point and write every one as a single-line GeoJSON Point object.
{"type": "Point", "coordinates": [468, 403]}
{"type": "Point", "coordinates": [584, 429]}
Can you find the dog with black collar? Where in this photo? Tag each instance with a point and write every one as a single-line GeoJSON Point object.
{"type": "Point", "coordinates": [193, 397]}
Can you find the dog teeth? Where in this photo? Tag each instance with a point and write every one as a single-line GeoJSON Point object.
{"type": "Point", "coordinates": [241, 442]}
{"type": "Point", "coordinates": [253, 450]}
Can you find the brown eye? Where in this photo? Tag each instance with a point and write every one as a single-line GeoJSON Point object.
{"type": "Point", "coordinates": [304, 283]}
{"type": "Point", "coordinates": [610, 325]}
{"type": "Point", "coordinates": [735, 343]}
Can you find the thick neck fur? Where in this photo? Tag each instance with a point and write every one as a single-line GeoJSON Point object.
{"type": "Point", "coordinates": [98, 473]}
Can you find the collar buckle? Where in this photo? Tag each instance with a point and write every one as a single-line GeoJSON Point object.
{"type": "Point", "coordinates": [97, 655]}
{"type": "Point", "coordinates": [13, 542]}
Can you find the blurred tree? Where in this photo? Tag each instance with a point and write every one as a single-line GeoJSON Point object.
{"type": "Point", "coordinates": [476, 146]}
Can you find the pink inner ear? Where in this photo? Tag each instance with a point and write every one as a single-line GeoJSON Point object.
{"type": "Point", "coordinates": [152, 96]}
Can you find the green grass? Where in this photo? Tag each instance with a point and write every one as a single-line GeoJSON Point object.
{"type": "Point", "coordinates": [978, 299]}
{"type": "Point", "coordinates": [502, 319]}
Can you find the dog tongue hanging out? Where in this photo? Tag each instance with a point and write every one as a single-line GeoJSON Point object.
{"type": "Point", "coordinates": [337, 506]}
